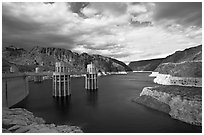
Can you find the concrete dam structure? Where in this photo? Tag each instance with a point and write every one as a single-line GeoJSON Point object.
{"type": "Point", "coordinates": [14, 88]}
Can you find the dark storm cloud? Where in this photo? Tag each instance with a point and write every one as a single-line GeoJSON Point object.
{"type": "Point", "coordinates": [29, 40]}
{"type": "Point", "coordinates": [135, 3]}
{"type": "Point", "coordinates": [185, 13]}
{"type": "Point", "coordinates": [49, 3]}
{"type": "Point", "coordinates": [23, 31]}
{"type": "Point", "coordinates": [17, 25]}
{"type": "Point", "coordinates": [76, 7]}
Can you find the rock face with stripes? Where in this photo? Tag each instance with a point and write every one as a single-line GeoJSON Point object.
{"type": "Point", "coordinates": [61, 80]}
{"type": "Point", "coordinates": [91, 78]}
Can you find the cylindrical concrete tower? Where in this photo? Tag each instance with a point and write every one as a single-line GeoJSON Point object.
{"type": "Point", "coordinates": [61, 80]}
{"type": "Point", "coordinates": [38, 78]}
{"type": "Point", "coordinates": [91, 81]}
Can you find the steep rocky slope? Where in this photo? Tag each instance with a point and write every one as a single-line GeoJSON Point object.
{"type": "Point", "coordinates": [47, 56]}
{"type": "Point", "coordinates": [189, 54]}
{"type": "Point", "coordinates": [183, 69]}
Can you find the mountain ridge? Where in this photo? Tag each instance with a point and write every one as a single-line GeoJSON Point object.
{"type": "Point", "coordinates": [188, 54]}
{"type": "Point", "coordinates": [47, 56]}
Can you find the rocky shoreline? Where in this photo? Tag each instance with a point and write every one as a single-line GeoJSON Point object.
{"type": "Point", "coordinates": [19, 120]}
{"type": "Point", "coordinates": [166, 79]}
{"type": "Point", "coordinates": [186, 108]}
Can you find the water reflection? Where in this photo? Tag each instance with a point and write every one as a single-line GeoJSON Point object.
{"type": "Point", "coordinates": [62, 102]}
{"type": "Point", "coordinates": [92, 97]}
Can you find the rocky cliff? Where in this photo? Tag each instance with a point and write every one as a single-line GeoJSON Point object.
{"type": "Point", "coordinates": [47, 56]}
{"type": "Point", "coordinates": [22, 121]}
{"type": "Point", "coordinates": [189, 54]}
{"type": "Point", "coordinates": [182, 103]}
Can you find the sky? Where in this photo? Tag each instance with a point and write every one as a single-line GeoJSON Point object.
{"type": "Point", "coordinates": [124, 31]}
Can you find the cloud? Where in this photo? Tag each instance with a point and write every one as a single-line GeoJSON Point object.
{"type": "Point", "coordinates": [110, 8]}
{"type": "Point", "coordinates": [76, 7]}
{"type": "Point", "coordinates": [126, 31]}
{"type": "Point", "coordinates": [89, 12]}
{"type": "Point", "coordinates": [185, 13]}
{"type": "Point", "coordinates": [27, 24]}
{"type": "Point", "coordinates": [136, 9]}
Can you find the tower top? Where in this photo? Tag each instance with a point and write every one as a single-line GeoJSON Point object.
{"type": "Point", "coordinates": [61, 67]}
{"type": "Point", "coordinates": [60, 64]}
{"type": "Point", "coordinates": [91, 69]}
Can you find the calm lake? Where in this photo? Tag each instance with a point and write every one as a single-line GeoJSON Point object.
{"type": "Point", "coordinates": [107, 110]}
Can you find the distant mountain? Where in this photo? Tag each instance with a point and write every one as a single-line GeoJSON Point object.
{"type": "Point", "coordinates": [145, 65]}
{"type": "Point", "coordinates": [47, 56]}
{"type": "Point", "coordinates": [190, 54]}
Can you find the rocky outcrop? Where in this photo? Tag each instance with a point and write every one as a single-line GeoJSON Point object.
{"type": "Point", "coordinates": [166, 79]}
{"type": "Point", "coordinates": [19, 120]}
{"type": "Point", "coordinates": [183, 107]}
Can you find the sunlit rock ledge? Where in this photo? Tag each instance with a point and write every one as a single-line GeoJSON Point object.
{"type": "Point", "coordinates": [20, 120]}
{"type": "Point", "coordinates": [166, 79]}
{"type": "Point", "coordinates": [182, 103]}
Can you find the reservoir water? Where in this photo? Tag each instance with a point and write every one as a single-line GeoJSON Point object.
{"type": "Point", "coordinates": [107, 110]}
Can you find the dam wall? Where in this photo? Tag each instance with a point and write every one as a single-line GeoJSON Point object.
{"type": "Point", "coordinates": [14, 88]}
